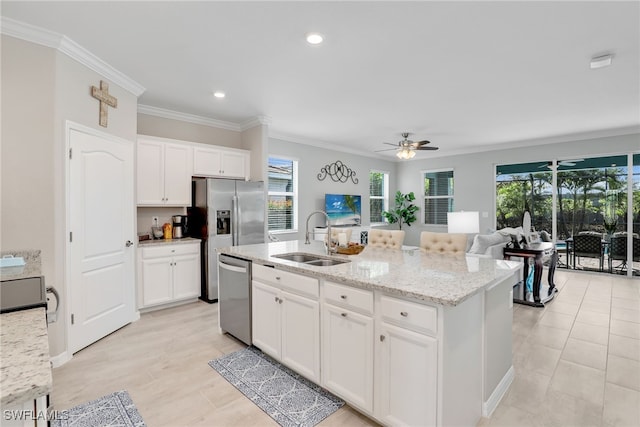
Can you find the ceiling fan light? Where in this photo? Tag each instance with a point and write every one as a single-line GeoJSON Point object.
{"type": "Point", "coordinates": [405, 154]}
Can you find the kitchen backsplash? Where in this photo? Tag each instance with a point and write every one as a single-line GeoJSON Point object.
{"type": "Point", "coordinates": [145, 217]}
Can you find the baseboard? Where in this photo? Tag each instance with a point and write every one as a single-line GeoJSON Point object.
{"type": "Point", "coordinates": [498, 393]}
{"type": "Point", "coordinates": [60, 359]}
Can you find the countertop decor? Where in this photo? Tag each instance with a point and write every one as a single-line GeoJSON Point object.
{"type": "Point", "coordinates": [442, 279]}
{"type": "Point", "coordinates": [32, 267]}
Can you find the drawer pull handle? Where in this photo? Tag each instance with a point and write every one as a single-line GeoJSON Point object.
{"type": "Point", "coordinates": [382, 337]}
{"type": "Point", "coordinates": [343, 314]}
{"type": "Point", "coordinates": [343, 296]}
{"type": "Point", "coordinates": [280, 300]}
{"type": "Point", "coordinates": [404, 314]}
{"type": "Point", "coordinates": [277, 277]}
{"type": "Point", "coordinates": [276, 299]}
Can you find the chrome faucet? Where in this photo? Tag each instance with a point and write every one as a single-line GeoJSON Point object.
{"type": "Point", "coordinates": [330, 248]}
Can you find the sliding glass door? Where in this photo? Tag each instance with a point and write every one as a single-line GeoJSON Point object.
{"type": "Point", "coordinates": [597, 197]}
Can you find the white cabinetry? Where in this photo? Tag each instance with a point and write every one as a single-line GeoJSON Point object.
{"type": "Point", "coordinates": [168, 273]}
{"type": "Point", "coordinates": [347, 344]}
{"type": "Point", "coordinates": [407, 370]}
{"type": "Point", "coordinates": [164, 172]}
{"type": "Point", "coordinates": [286, 319]}
{"type": "Point", "coordinates": [220, 162]}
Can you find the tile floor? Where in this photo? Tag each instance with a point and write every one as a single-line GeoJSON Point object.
{"type": "Point", "coordinates": [577, 363]}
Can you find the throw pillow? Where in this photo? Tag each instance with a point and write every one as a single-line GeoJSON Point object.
{"type": "Point", "coordinates": [482, 242]}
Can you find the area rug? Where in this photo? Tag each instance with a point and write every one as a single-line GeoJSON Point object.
{"type": "Point", "coordinates": [285, 396]}
{"type": "Point", "coordinates": [114, 410]}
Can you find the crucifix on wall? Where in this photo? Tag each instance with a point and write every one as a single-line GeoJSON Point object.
{"type": "Point", "coordinates": [105, 99]}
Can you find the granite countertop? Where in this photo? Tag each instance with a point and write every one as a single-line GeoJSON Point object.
{"type": "Point", "coordinates": [442, 279]}
{"type": "Point", "coordinates": [25, 370]}
{"type": "Point", "coordinates": [32, 267]}
{"type": "Point", "coordinates": [158, 242]}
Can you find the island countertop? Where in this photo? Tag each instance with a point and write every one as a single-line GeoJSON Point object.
{"type": "Point", "coordinates": [25, 371]}
{"type": "Point", "coordinates": [442, 279]}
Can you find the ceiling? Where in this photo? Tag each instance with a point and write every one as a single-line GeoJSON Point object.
{"type": "Point", "coordinates": [465, 75]}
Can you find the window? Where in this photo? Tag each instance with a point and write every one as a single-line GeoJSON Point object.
{"type": "Point", "coordinates": [438, 196]}
{"type": "Point", "coordinates": [283, 194]}
{"type": "Point", "coordinates": [378, 195]}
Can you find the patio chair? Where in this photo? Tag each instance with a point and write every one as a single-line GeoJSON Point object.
{"type": "Point", "coordinates": [588, 246]}
{"type": "Point", "coordinates": [618, 251]}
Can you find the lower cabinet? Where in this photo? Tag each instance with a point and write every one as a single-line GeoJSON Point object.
{"type": "Point", "coordinates": [347, 351]}
{"type": "Point", "coordinates": [286, 319]}
{"type": "Point", "coordinates": [168, 273]}
{"type": "Point", "coordinates": [406, 381]}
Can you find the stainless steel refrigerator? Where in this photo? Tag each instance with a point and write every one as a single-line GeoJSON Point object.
{"type": "Point", "coordinates": [225, 212]}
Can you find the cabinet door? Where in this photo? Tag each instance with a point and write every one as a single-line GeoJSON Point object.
{"type": "Point", "coordinates": [233, 165]}
{"type": "Point", "coordinates": [407, 382]}
{"type": "Point", "coordinates": [156, 281]}
{"type": "Point", "coordinates": [150, 173]}
{"type": "Point", "coordinates": [177, 175]}
{"type": "Point", "coordinates": [265, 309]}
{"type": "Point", "coordinates": [301, 335]}
{"type": "Point", "coordinates": [186, 276]}
{"type": "Point", "coordinates": [207, 162]}
{"type": "Point", "coordinates": [347, 355]}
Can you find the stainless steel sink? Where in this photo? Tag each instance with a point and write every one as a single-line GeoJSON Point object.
{"type": "Point", "coordinates": [327, 262]}
{"type": "Point", "coordinates": [311, 259]}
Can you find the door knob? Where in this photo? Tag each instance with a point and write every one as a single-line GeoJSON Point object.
{"type": "Point", "coordinates": [129, 243]}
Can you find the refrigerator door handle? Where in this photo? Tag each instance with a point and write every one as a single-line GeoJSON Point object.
{"type": "Point", "coordinates": [234, 220]}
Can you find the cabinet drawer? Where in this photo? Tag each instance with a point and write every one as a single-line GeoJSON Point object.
{"type": "Point", "coordinates": [295, 283]}
{"type": "Point", "coordinates": [359, 299]}
{"type": "Point", "coordinates": [406, 313]}
{"type": "Point", "coordinates": [170, 250]}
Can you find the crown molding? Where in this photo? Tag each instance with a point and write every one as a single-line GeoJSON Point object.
{"type": "Point", "coordinates": [251, 123]}
{"type": "Point", "coordinates": [324, 145]}
{"type": "Point", "coordinates": [73, 50]}
{"type": "Point", "coordinates": [190, 118]}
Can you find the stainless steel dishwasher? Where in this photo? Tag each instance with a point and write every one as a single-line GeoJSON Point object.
{"type": "Point", "coordinates": [234, 297]}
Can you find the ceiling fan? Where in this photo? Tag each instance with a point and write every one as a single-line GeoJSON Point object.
{"type": "Point", "coordinates": [406, 149]}
{"type": "Point", "coordinates": [571, 162]}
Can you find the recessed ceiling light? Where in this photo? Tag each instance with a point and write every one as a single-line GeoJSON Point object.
{"type": "Point", "coordinates": [314, 38]}
{"type": "Point", "coordinates": [601, 61]}
{"type": "Point", "coordinates": [219, 94]}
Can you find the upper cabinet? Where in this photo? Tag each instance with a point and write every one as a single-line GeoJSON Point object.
{"type": "Point", "coordinates": [217, 162]}
{"type": "Point", "coordinates": [164, 173]}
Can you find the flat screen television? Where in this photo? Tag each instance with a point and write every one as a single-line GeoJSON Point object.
{"type": "Point", "coordinates": [343, 209]}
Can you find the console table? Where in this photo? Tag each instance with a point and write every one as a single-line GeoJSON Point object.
{"type": "Point", "coordinates": [538, 252]}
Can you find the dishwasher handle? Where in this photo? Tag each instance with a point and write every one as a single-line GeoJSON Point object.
{"type": "Point", "coordinates": [232, 267]}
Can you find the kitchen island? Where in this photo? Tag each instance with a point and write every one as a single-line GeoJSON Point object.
{"type": "Point", "coordinates": [403, 336]}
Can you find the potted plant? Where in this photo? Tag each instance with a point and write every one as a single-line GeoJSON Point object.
{"type": "Point", "coordinates": [404, 211]}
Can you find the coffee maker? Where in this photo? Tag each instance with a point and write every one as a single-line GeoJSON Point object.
{"type": "Point", "coordinates": [179, 226]}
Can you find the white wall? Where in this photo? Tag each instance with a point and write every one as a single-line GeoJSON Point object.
{"type": "Point", "coordinates": [311, 191]}
{"type": "Point", "coordinates": [474, 174]}
{"type": "Point", "coordinates": [41, 89]}
{"type": "Point", "coordinates": [176, 129]}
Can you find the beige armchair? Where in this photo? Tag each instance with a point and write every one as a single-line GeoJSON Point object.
{"type": "Point", "coordinates": [443, 243]}
{"type": "Point", "coordinates": [386, 238]}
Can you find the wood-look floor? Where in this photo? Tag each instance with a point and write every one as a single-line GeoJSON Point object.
{"type": "Point", "coordinates": [577, 363]}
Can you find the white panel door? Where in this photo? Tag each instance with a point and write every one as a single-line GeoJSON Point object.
{"type": "Point", "coordinates": [101, 290]}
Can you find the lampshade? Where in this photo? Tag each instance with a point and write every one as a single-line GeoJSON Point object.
{"type": "Point", "coordinates": [406, 153]}
{"type": "Point", "coordinates": [463, 222]}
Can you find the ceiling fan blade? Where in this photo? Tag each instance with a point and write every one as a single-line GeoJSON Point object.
{"type": "Point", "coordinates": [426, 148]}
{"type": "Point", "coordinates": [422, 142]}
{"type": "Point", "coordinates": [386, 149]}
{"type": "Point", "coordinates": [388, 143]}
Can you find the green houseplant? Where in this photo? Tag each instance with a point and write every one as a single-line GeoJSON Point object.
{"type": "Point", "coordinates": [404, 211]}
